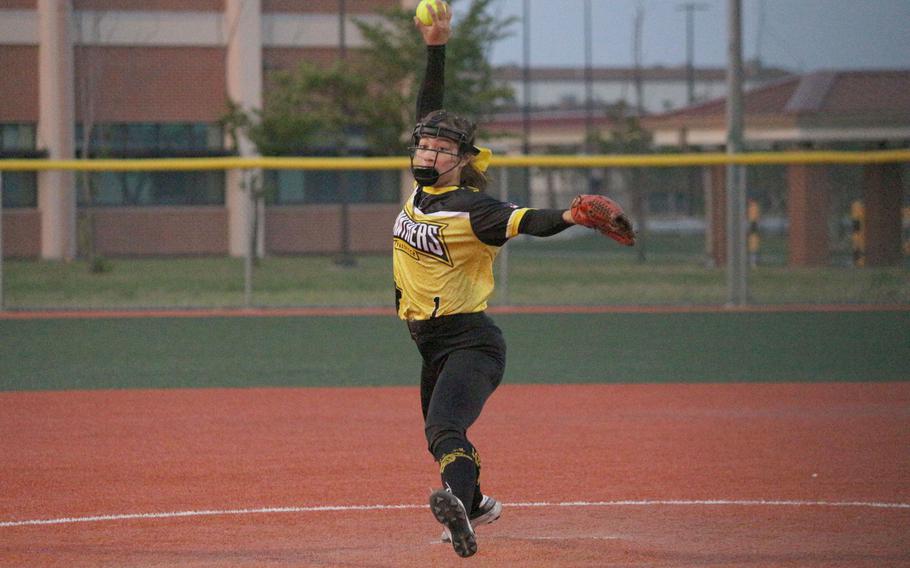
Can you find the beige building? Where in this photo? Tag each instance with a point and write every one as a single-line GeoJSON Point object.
{"type": "Point", "coordinates": [152, 78]}
{"type": "Point", "coordinates": [662, 88]}
{"type": "Point", "coordinates": [856, 110]}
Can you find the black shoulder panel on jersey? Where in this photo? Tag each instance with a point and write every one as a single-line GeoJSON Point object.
{"type": "Point", "coordinates": [489, 216]}
{"type": "Point", "coordinates": [490, 220]}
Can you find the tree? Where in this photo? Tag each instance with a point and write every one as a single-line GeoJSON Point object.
{"type": "Point", "coordinates": [378, 87]}
{"type": "Point", "coordinates": [91, 77]}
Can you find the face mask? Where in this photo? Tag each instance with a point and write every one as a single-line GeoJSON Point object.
{"type": "Point", "coordinates": [428, 176]}
{"type": "Point", "coordinates": [425, 176]}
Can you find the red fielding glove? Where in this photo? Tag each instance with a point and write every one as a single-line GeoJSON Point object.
{"type": "Point", "coordinates": [605, 215]}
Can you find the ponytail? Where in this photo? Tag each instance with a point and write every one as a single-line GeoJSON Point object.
{"type": "Point", "coordinates": [472, 177]}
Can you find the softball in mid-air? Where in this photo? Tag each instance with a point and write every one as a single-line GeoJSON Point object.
{"type": "Point", "coordinates": [423, 12]}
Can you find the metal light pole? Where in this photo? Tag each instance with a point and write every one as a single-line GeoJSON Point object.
{"type": "Point", "coordinates": [589, 87]}
{"type": "Point", "coordinates": [690, 8]}
{"type": "Point", "coordinates": [345, 259]}
{"type": "Point", "coordinates": [737, 259]}
{"type": "Point", "coordinates": [526, 77]}
{"type": "Point", "coordinates": [1, 242]}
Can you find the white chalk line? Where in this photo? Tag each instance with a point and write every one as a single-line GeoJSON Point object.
{"type": "Point", "coordinates": [348, 508]}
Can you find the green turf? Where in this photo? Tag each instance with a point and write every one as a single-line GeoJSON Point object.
{"type": "Point", "coordinates": [352, 351]}
{"type": "Point", "coordinates": [552, 274]}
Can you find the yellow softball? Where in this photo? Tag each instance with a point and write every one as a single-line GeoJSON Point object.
{"type": "Point", "coordinates": [423, 12]}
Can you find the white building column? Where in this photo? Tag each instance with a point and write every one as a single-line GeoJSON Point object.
{"type": "Point", "coordinates": [56, 125]}
{"type": "Point", "coordinates": [243, 29]}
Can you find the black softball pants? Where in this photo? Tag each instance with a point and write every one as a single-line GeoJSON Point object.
{"type": "Point", "coordinates": [464, 358]}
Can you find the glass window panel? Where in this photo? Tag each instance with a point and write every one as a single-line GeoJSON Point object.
{"type": "Point", "coordinates": [109, 188]}
{"type": "Point", "coordinates": [388, 190]}
{"type": "Point", "coordinates": [290, 187]}
{"type": "Point", "coordinates": [113, 139]}
{"type": "Point", "coordinates": [157, 188]}
{"type": "Point", "coordinates": [9, 136]}
{"type": "Point", "coordinates": [214, 137]}
{"type": "Point", "coordinates": [142, 136]}
{"type": "Point", "coordinates": [198, 136]}
{"type": "Point", "coordinates": [17, 136]}
{"type": "Point", "coordinates": [186, 188]}
{"type": "Point", "coordinates": [167, 188]}
{"type": "Point", "coordinates": [27, 136]}
{"type": "Point", "coordinates": [174, 136]}
{"type": "Point", "coordinates": [20, 189]}
{"type": "Point", "coordinates": [357, 185]}
{"type": "Point", "coordinates": [322, 186]}
{"type": "Point", "coordinates": [108, 139]}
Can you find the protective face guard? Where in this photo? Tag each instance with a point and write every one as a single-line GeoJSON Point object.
{"type": "Point", "coordinates": [429, 175]}
{"type": "Point", "coordinates": [458, 136]}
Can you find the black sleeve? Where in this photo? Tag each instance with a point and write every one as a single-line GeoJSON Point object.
{"type": "Point", "coordinates": [489, 216]}
{"type": "Point", "coordinates": [543, 222]}
{"type": "Point", "coordinates": [430, 96]}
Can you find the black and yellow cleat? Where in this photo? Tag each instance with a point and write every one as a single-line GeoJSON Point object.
{"type": "Point", "coordinates": [449, 510]}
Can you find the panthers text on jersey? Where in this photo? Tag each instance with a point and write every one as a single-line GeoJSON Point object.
{"type": "Point", "coordinates": [445, 241]}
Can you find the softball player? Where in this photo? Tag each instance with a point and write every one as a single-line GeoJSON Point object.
{"type": "Point", "coordinates": [445, 241]}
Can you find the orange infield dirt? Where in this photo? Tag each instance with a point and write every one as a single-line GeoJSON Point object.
{"type": "Point", "coordinates": [595, 475]}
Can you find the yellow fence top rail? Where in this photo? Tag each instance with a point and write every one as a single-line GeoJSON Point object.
{"type": "Point", "coordinates": [395, 163]}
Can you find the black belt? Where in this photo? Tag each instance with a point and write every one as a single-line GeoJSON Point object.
{"type": "Point", "coordinates": [424, 326]}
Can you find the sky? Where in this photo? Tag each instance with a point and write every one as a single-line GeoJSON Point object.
{"type": "Point", "coordinates": [797, 35]}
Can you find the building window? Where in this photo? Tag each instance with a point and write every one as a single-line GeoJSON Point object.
{"type": "Point", "coordinates": [17, 137]}
{"type": "Point", "coordinates": [301, 187]}
{"type": "Point", "coordinates": [19, 189]}
{"type": "Point", "coordinates": [153, 140]}
{"type": "Point", "coordinates": [113, 189]}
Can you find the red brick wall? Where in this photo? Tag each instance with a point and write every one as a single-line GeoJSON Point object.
{"type": "Point", "coordinates": [330, 6]}
{"type": "Point", "coordinates": [882, 195]}
{"type": "Point", "coordinates": [371, 226]}
{"type": "Point", "coordinates": [317, 228]}
{"type": "Point", "coordinates": [151, 5]}
{"type": "Point", "coordinates": [163, 231]}
{"type": "Point", "coordinates": [21, 233]}
{"type": "Point", "coordinates": [18, 4]}
{"type": "Point", "coordinates": [807, 209]}
{"type": "Point", "coordinates": [19, 83]}
{"type": "Point", "coordinates": [152, 231]}
{"type": "Point", "coordinates": [152, 84]}
{"type": "Point", "coordinates": [718, 215]}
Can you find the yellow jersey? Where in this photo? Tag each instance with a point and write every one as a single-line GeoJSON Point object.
{"type": "Point", "coordinates": [444, 243]}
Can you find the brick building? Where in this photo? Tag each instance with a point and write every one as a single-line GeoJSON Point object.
{"type": "Point", "coordinates": [152, 78]}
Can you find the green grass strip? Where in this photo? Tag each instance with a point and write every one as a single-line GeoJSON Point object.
{"type": "Point", "coordinates": [377, 351]}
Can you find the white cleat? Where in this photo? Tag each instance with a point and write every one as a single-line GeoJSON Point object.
{"type": "Point", "coordinates": [487, 512]}
{"type": "Point", "coordinates": [448, 510]}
